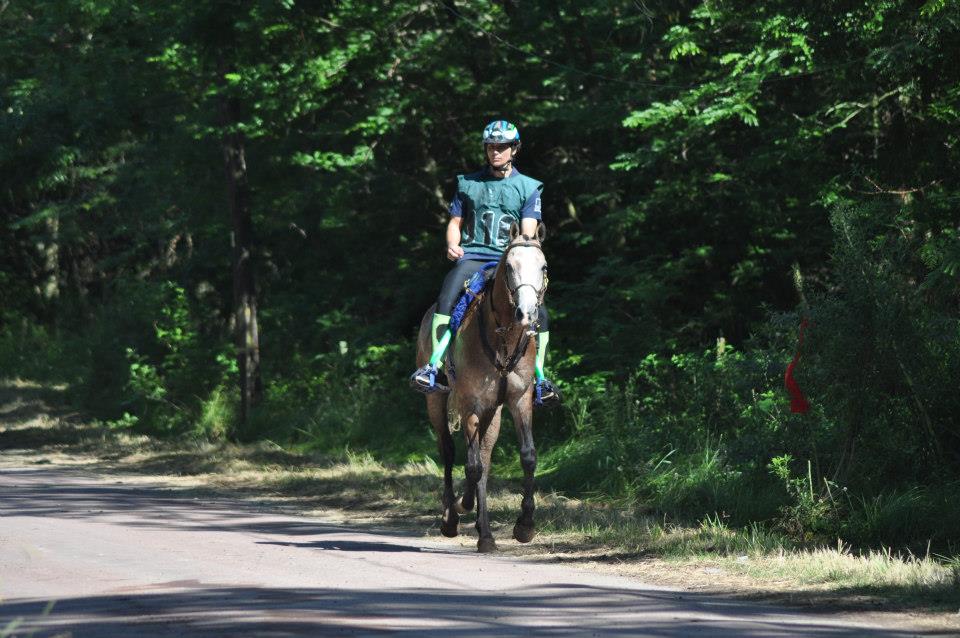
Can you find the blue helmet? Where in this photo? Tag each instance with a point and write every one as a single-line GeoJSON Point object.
{"type": "Point", "coordinates": [501, 132]}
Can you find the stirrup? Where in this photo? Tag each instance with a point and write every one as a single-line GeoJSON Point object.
{"type": "Point", "coordinates": [429, 379]}
{"type": "Point", "coordinates": [546, 394]}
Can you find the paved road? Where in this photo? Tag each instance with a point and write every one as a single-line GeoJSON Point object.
{"type": "Point", "coordinates": [129, 560]}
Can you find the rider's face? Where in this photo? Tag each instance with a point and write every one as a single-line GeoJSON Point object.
{"type": "Point", "coordinates": [499, 154]}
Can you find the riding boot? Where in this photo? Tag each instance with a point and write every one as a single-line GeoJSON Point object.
{"type": "Point", "coordinates": [430, 378]}
{"type": "Point", "coordinates": [546, 394]}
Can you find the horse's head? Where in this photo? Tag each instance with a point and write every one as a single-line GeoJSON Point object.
{"type": "Point", "coordinates": [525, 275]}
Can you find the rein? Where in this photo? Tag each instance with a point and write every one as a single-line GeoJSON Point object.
{"type": "Point", "coordinates": [504, 365]}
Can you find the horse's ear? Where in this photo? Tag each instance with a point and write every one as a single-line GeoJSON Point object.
{"type": "Point", "coordinates": [541, 232]}
{"type": "Point", "coordinates": [514, 231]}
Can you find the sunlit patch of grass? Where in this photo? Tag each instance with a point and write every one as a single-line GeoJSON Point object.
{"type": "Point", "coordinates": [607, 531]}
{"type": "Point", "coordinates": [423, 467]}
{"type": "Point", "coordinates": [931, 583]}
{"type": "Point", "coordinates": [712, 537]}
{"type": "Point", "coordinates": [30, 384]}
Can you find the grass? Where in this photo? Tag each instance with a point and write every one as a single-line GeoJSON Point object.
{"type": "Point", "coordinates": [873, 570]}
{"type": "Point", "coordinates": [623, 535]}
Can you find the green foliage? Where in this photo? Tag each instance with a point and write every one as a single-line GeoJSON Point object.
{"type": "Point", "coordinates": [125, 422]}
{"type": "Point", "coordinates": [692, 155]}
{"type": "Point", "coordinates": [813, 513]}
{"type": "Point", "coordinates": [880, 349]}
{"type": "Point", "coordinates": [339, 402]}
{"type": "Point", "coordinates": [218, 415]}
{"type": "Point", "coordinates": [681, 436]}
{"type": "Point", "coordinates": [32, 351]}
{"type": "Point", "coordinates": [177, 387]}
{"type": "Point", "coordinates": [145, 381]}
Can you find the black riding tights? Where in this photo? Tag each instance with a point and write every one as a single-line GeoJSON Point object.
{"type": "Point", "coordinates": [453, 286]}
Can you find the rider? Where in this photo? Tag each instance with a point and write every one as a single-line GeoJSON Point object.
{"type": "Point", "coordinates": [486, 205]}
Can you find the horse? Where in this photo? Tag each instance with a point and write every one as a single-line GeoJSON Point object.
{"type": "Point", "coordinates": [491, 364]}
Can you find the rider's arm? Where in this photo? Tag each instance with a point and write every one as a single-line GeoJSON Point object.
{"type": "Point", "coordinates": [454, 251]}
{"type": "Point", "coordinates": [530, 214]}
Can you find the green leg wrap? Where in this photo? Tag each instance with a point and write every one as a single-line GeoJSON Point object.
{"type": "Point", "coordinates": [440, 343]}
{"type": "Point", "coordinates": [543, 339]}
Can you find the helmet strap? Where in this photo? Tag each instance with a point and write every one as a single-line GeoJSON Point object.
{"type": "Point", "coordinates": [503, 170]}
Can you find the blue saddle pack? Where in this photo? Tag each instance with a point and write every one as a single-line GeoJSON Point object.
{"type": "Point", "coordinates": [471, 288]}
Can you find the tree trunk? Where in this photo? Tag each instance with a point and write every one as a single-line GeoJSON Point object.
{"type": "Point", "coordinates": [49, 249]}
{"type": "Point", "coordinates": [244, 288]}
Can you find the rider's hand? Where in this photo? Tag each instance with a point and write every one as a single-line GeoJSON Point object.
{"type": "Point", "coordinates": [454, 252]}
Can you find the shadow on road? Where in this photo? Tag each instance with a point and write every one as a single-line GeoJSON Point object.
{"type": "Point", "coordinates": [74, 496]}
{"type": "Point", "coordinates": [210, 610]}
{"type": "Point", "coordinates": [358, 546]}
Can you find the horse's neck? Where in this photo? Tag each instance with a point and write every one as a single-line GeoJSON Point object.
{"type": "Point", "coordinates": [500, 298]}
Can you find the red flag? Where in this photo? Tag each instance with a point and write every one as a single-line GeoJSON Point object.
{"type": "Point", "coordinates": [798, 403]}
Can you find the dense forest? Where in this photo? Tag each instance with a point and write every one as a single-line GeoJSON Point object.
{"type": "Point", "coordinates": [224, 219]}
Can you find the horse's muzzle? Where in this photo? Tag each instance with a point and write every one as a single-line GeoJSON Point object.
{"type": "Point", "coordinates": [526, 318]}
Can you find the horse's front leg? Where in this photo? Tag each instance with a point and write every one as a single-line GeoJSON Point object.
{"type": "Point", "coordinates": [522, 411]}
{"type": "Point", "coordinates": [473, 469]}
{"type": "Point", "coordinates": [489, 431]}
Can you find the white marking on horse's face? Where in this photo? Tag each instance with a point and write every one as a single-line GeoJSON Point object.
{"type": "Point", "coordinates": [526, 275]}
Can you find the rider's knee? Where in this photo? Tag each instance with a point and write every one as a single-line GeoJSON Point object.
{"type": "Point", "coordinates": [453, 284]}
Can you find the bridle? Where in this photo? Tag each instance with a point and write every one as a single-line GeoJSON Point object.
{"type": "Point", "coordinates": [505, 363]}
{"type": "Point", "coordinates": [512, 292]}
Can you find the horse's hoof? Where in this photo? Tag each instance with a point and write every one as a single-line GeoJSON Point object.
{"type": "Point", "coordinates": [450, 525]}
{"type": "Point", "coordinates": [523, 533]}
{"type": "Point", "coordinates": [486, 545]}
{"type": "Point", "coordinates": [461, 508]}
{"type": "Point", "coordinates": [450, 531]}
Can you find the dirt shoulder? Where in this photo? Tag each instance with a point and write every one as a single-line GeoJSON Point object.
{"type": "Point", "coordinates": [35, 429]}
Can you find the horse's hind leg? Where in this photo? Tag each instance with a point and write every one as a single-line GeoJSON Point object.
{"type": "Point", "coordinates": [483, 450]}
{"type": "Point", "coordinates": [522, 412]}
{"type": "Point", "coordinates": [437, 409]}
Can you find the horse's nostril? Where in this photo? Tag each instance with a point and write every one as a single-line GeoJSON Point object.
{"type": "Point", "coordinates": [519, 315]}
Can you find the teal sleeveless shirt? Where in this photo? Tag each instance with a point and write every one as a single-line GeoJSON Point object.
{"type": "Point", "coordinates": [490, 206]}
